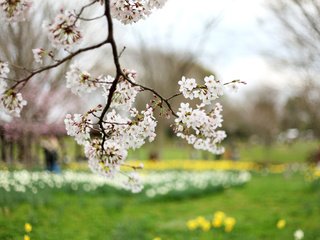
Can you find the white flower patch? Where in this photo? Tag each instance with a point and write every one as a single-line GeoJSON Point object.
{"type": "Point", "coordinates": [298, 234]}
{"type": "Point", "coordinates": [155, 183]}
{"type": "Point", "coordinates": [133, 183]}
{"type": "Point", "coordinates": [169, 182]}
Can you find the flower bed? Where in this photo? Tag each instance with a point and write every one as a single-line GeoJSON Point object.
{"type": "Point", "coordinates": [155, 183]}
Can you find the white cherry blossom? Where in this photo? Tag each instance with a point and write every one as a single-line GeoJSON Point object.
{"type": "Point", "coordinates": [106, 161]}
{"type": "Point", "coordinates": [38, 54]}
{"type": "Point", "coordinates": [79, 127]}
{"type": "Point", "coordinates": [81, 81]}
{"type": "Point", "coordinates": [12, 103]}
{"type": "Point", "coordinates": [125, 94]}
{"type": "Point", "coordinates": [4, 71]}
{"type": "Point", "coordinates": [64, 30]}
{"type": "Point", "coordinates": [14, 11]}
{"type": "Point", "coordinates": [131, 11]}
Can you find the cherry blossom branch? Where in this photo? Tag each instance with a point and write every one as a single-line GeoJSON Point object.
{"type": "Point", "coordinates": [110, 39]}
{"type": "Point", "coordinates": [91, 19]}
{"type": "Point", "coordinates": [69, 57]}
{"type": "Point", "coordinates": [173, 96]}
{"type": "Point", "coordinates": [163, 100]}
{"type": "Point", "coordinates": [82, 9]}
{"type": "Point", "coordinates": [20, 67]}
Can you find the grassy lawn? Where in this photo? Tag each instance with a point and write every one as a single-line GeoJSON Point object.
{"type": "Point", "coordinates": [277, 153]}
{"type": "Point", "coordinates": [108, 214]}
{"type": "Point", "coordinates": [295, 152]}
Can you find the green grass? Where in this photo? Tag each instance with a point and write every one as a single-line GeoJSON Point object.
{"type": "Point", "coordinates": [277, 153]}
{"type": "Point", "coordinates": [295, 152]}
{"type": "Point", "coordinates": [115, 215]}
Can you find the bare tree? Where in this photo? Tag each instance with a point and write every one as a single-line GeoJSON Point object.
{"type": "Point", "coordinates": [299, 31]}
{"type": "Point", "coordinates": [263, 117]}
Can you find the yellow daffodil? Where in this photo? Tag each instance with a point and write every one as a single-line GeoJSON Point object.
{"type": "Point", "coordinates": [229, 223]}
{"type": "Point", "coordinates": [27, 227]}
{"type": "Point", "coordinates": [26, 237]}
{"type": "Point", "coordinates": [218, 219]}
{"type": "Point", "coordinates": [205, 226]}
{"type": "Point", "coordinates": [281, 224]}
{"type": "Point", "coordinates": [192, 224]}
{"type": "Point", "coordinates": [217, 222]}
{"type": "Point", "coordinates": [200, 220]}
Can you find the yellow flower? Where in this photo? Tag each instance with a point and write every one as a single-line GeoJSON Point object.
{"type": "Point", "coordinates": [281, 223]}
{"type": "Point", "coordinates": [200, 220]}
{"type": "Point", "coordinates": [218, 219]}
{"type": "Point", "coordinates": [157, 238]}
{"type": "Point", "coordinates": [26, 237]}
{"type": "Point", "coordinates": [27, 227]}
{"type": "Point", "coordinates": [229, 223]}
{"type": "Point", "coordinates": [219, 214]}
{"type": "Point", "coordinates": [205, 226]}
{"type": "Point", "coordinates": [217, 222]}
{"type": "Point", "coordinates": [192, 224]}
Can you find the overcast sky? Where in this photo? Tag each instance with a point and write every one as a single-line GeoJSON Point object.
{"type": "Point", "coordinates": [233, 48]}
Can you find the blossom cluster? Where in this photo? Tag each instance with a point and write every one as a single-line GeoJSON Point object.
{"type": "Point", "coordinates": [131, 11]}
{"type": "Point", "coordinates": [11, 102]}
{"type": "Point", "coordinates": [14, 11]}
{"type": "Point", "coordinates": [38, 54]}
{"type": "Point", "coordinates": [107, 154]}
{"type": "Point", "coordinates": [64, 31]}
{"type": "Point", "coordinates": [199, 126]}
{"type": "Point", "coordinates": [4, 71]}
{"type": "Point", "coordinates": [116, 132]}
{"type": "Point", "coordinates": [81, 81]}
{"type": "Point", "coordinates": [79, 127]}
{"type": "Point", "coordinates": [125, 93]}
{"type": "Point", "coordinates": [207, 93]}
